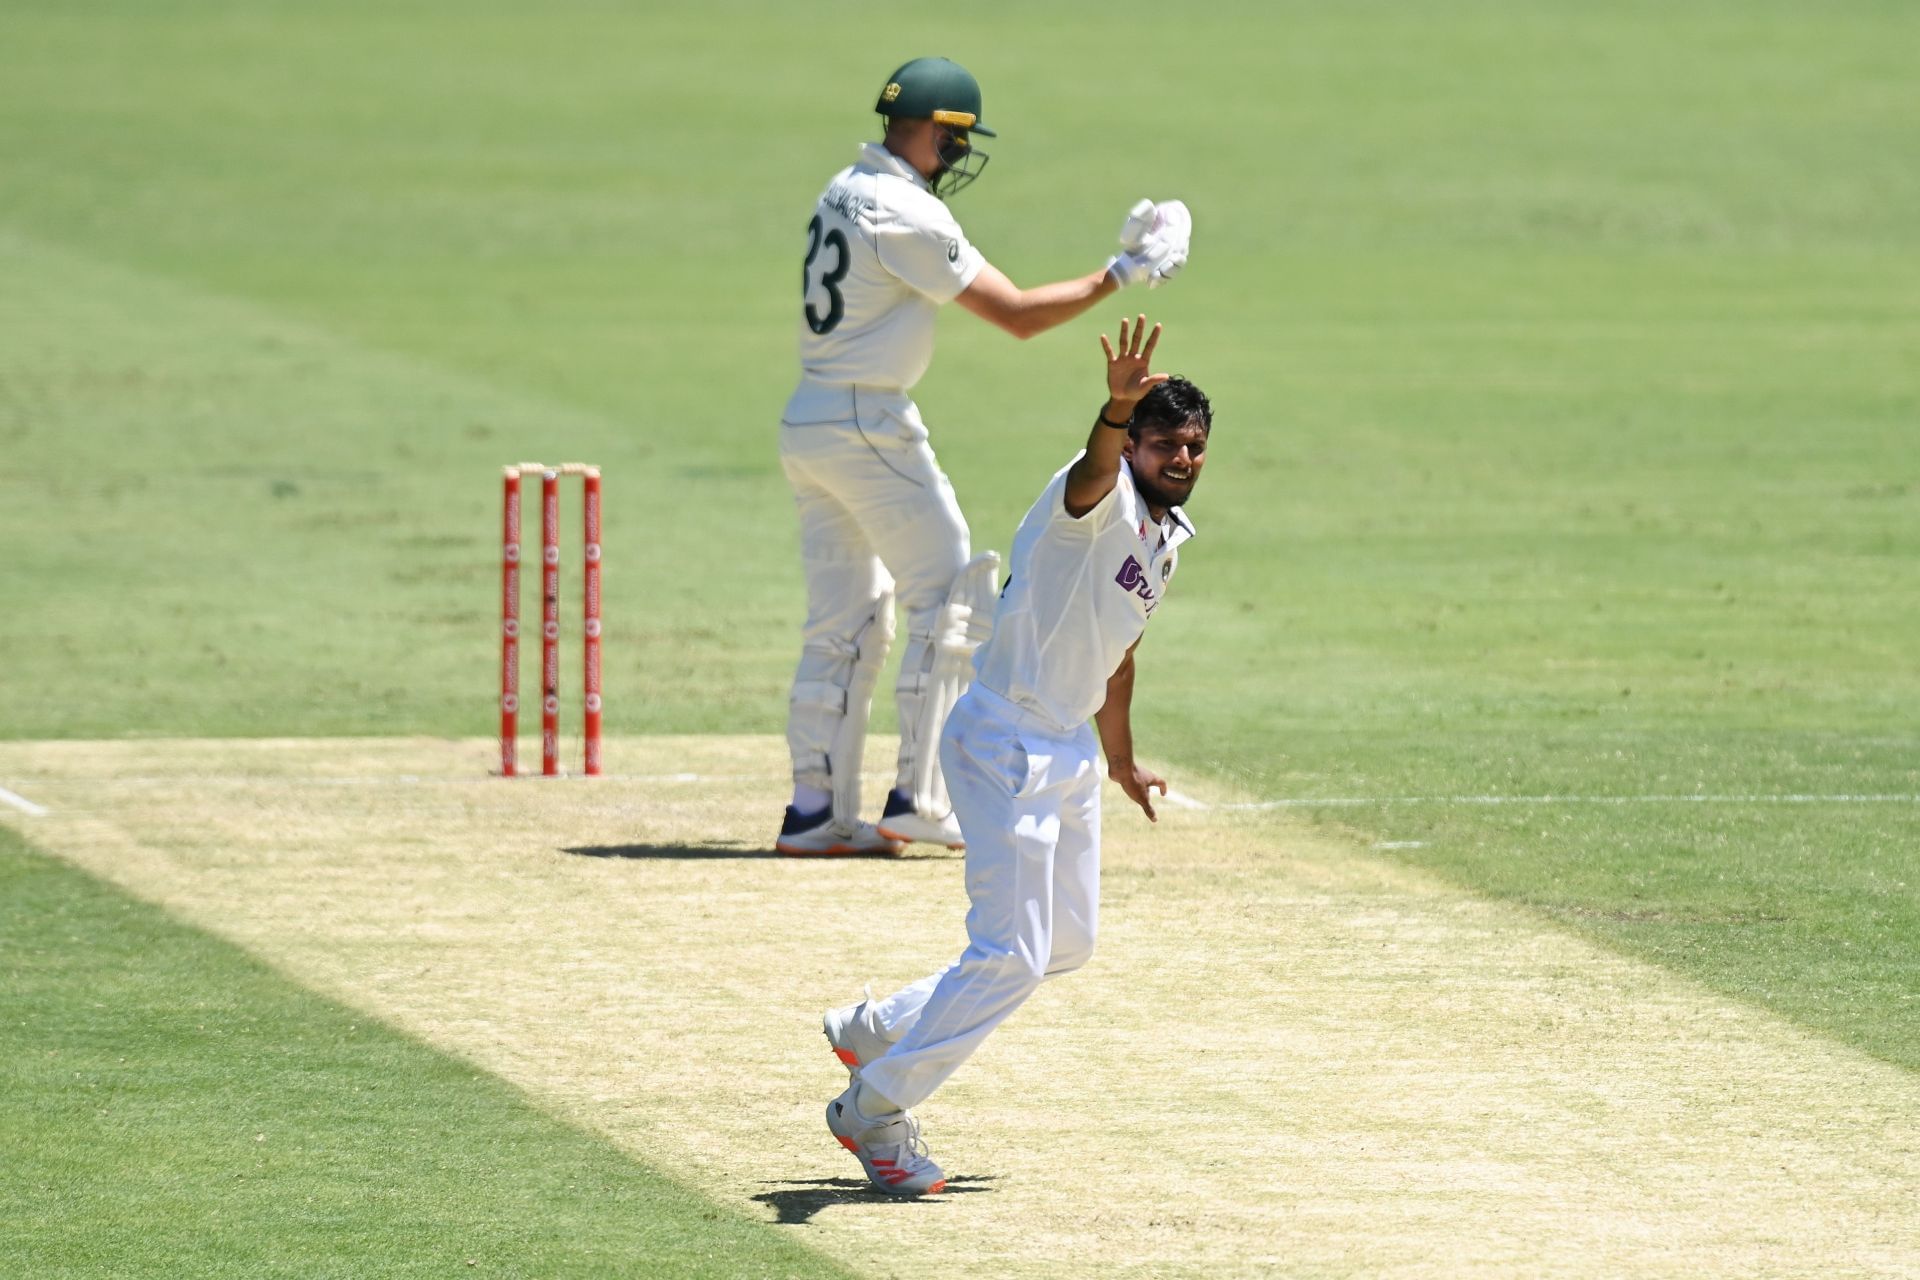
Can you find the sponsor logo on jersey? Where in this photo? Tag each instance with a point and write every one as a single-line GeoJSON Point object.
{"type": "Point", "coordinates": [953, 251]}
{"type": "Point", "coordinates": [1134, 578]}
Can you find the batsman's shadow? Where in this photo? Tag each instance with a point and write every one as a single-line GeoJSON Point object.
{"type": "Point", "coordinates": [738, 849]}
{"type": "Point", "coordinates": [799, 1199]}
{"type": "Point", "coordinates": [719, 849]}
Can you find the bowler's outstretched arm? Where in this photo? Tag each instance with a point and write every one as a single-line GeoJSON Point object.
{"type": "Point", "coordinates": [1128, 381]}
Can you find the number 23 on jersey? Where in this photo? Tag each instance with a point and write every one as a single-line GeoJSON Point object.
{"type": "Point", "coordinates": [828, 280]}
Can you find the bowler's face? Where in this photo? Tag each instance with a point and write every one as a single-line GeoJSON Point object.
{"type": "Point", "coordinates": [1166, 462]}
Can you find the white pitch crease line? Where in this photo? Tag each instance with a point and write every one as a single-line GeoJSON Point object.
{"type": "Point", "coordinates": [23, 804]}
{"type": "Point", "coordinates": [1175, 799]}
{"type": "Point", "coordinates": [1354, 802]}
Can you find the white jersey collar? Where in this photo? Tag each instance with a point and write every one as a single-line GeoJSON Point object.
{"type": "Point", "coordinates": [1174, 530]}
{"type": "Point", "coordinates": [874, 155]}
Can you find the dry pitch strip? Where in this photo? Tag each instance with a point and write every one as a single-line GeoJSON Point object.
{"type": "Point", "coordinates": [1290, 1056]}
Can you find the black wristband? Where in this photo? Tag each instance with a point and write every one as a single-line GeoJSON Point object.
{"type": "Point", "coordinates": [1117, 426]}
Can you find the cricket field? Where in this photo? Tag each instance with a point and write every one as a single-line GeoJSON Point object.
{"type": "Point", "coordinates": [1541, 891]}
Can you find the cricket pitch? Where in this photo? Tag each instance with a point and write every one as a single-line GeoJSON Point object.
{"type": "Point", "coordinates": [1287, 1057]}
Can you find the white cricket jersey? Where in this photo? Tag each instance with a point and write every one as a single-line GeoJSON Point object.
{"type": "Point", "coordinates": [883, 253]}
{"type": "Point", "coordinates": [1079, 594]}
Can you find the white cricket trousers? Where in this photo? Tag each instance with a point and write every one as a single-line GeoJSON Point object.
{"type": "Point", "coordinates": [1028, 799]}
{"type": "Point", "coordinates": [876, 515]}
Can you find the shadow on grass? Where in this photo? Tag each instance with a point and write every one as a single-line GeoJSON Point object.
{"type": "Point", "coordinates": [800, 1199]}
{"type": "Point", "coordinates": [682, 851]}
{"type": "Point", "coordinates": [738, 850]}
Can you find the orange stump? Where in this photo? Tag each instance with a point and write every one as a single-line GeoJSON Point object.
{"type": "Point", "coordinates": [549, 615]}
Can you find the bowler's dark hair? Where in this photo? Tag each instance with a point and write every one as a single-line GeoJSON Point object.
{"type": "Point", "coordinates": [1173, 403]}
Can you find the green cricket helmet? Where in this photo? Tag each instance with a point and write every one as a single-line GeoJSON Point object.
{"type": "Point", "coordinates": [946, 93]}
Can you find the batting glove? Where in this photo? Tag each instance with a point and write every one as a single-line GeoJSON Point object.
{"type": "Point", "coordinates": [1168, 269]}
{"type": "Point", "coordinates": [1173, 226]}
{"type": "Point", "coordinates": [1154, 242]}
{"type": "Point", "coordinates": [1139, 265]}
{"type": "Point", "coordinates": [1133, 232]}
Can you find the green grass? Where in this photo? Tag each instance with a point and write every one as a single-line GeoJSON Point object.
{"type": "Point", "coordinates": [173, 1107]}
{"type": "Point", "coordinates": [1564, 359]}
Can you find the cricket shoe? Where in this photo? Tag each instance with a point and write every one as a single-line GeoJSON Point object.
{"type": "Point", "coordinates": [900, 821]}
{"type": "Point", "coordinates": [856, 1036]}
{"type": "Point", "coordinates": [889, 1148]}
{"type": "Point", "coordinates": [818, 835]}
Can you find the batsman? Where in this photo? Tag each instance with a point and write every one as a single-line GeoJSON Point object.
{"type": "Point", "coordinates": [879, 523]}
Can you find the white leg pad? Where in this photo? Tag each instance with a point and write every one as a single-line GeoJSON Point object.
{"type": "Point", "coordinates": [850, 737]}
{"type": "Point", "coordinates": [962, 625]}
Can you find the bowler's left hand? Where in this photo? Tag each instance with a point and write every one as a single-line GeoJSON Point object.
{"type": "Point", "coordinates": [1138, 781]}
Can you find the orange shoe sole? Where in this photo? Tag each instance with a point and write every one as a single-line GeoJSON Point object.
{"type": "Point", "coordinates": [895, 835]}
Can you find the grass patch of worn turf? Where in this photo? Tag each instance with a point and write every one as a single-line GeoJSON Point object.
{"type": "Point", "coordinates": [174, 1107]}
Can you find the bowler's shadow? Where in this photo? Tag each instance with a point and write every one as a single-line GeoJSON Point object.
{"type": "Point", "coordinates": [799, 1199]}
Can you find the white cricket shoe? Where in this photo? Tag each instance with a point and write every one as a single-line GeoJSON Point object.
{"type": "Point", "coordinates": [818, 835]}
{"type": "Point", "coordinates": [889, 1148]}
{"type": "Point", "coordinates": [856, 1036]}
{"type": "Point", "coordinates": [901, 822]}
